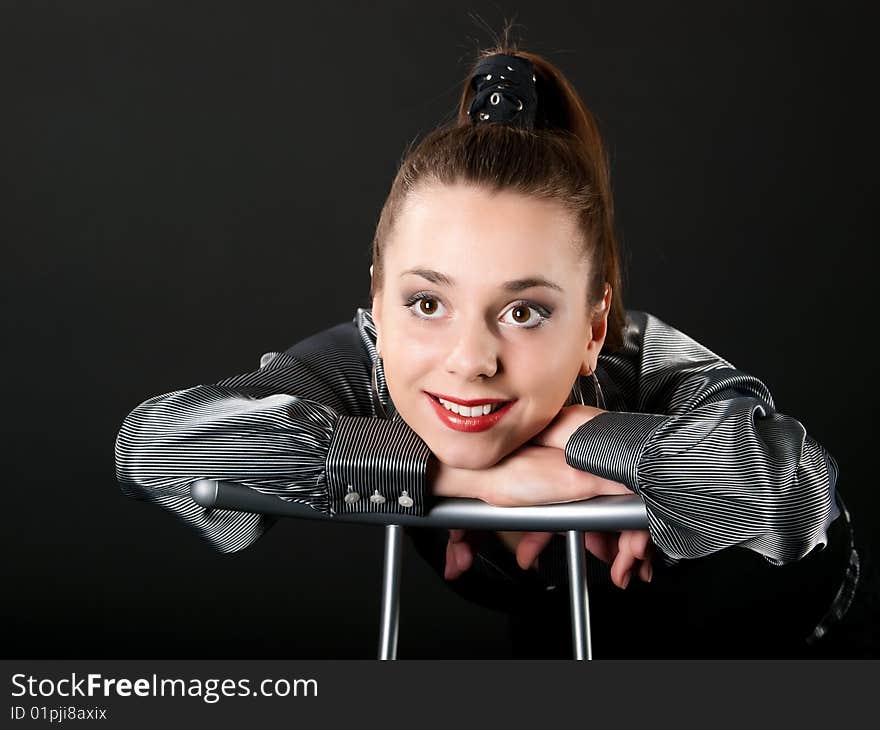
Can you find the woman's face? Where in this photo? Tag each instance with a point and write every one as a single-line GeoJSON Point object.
{"type": "Point", "coordinates": [483, 298]}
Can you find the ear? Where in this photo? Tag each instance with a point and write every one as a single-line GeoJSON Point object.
{"type": "Point", "coordinates": [376, 310]}
{"type": "Point", "coordinates": [598, 331]}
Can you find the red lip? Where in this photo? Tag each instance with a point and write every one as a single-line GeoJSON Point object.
{"type": "Point", "coordinates": [461, 402]}
{"type": "Point", "coordinates": [466, 424]}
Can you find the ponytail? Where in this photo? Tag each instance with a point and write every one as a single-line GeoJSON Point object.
{"type": "Point", "coordinates": [563, 158]}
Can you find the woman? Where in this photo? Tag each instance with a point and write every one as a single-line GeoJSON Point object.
{"type": "Point", "coordinates": [497, 355]}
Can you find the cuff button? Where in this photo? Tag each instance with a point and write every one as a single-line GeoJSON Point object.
{"type": "Point", "coordinates": [377, 498]}
{"type": "Point", "coordinates": [351, 496]}
{"type": "Point", "coordinates": [405, 500]}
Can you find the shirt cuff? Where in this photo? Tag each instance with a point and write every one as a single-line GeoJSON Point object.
{"type": "Point", "coordinates": [376, 465]}
{"type": "Point", "coordinates": [611, 445]}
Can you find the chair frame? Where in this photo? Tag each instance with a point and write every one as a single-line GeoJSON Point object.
{"type": "Point", "coordinates": [605, 513]}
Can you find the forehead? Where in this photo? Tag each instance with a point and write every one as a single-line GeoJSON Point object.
{"type": "Point", "coordinates": [470, 232]}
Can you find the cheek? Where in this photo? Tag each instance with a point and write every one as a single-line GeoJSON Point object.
{"type": "Point", "coordinates": [551, 381]}
{"type": "Point", "coordinates": [408, 357]}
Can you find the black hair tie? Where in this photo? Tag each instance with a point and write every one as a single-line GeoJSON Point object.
{"type": "Point", "coordinates": [506, 93]}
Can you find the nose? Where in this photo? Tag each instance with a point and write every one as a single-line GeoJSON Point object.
{"type": "Point", "coordinates": [473, 350]}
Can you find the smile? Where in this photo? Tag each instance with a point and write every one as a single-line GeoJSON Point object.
{"type": "Point", "coordinates": [479, 416]}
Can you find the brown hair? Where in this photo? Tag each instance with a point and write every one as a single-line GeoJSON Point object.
{"type": "Point", "coordinates": [562, 159]}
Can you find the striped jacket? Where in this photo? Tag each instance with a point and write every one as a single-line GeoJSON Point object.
{"type": "Point", "coordinates": [700, 441]}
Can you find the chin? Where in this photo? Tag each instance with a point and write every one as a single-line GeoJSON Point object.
{"type": "Point", "coordinates": [469, 458]}
{"type": "Point", "coordinates": [475, 462]}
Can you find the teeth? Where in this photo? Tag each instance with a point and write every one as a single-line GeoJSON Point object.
{"type": "Point", "coordinates": [470, 412]}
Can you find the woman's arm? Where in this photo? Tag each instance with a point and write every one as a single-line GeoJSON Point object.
{"type": "Point", "coordinates": [534, 475]}
{"type": "Point", "coordinates": [301, 427]}
{"type": "Point", "coordinates": [704, 446]}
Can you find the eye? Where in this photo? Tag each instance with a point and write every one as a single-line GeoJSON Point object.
{"type": "Point", "coordinates": [523, 315]}
{"type": "Point", "coordinates": [423, 305]}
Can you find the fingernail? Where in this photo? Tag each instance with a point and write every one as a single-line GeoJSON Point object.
{"type": "Point", "coordinates": [650, 572]}
{"type": "Point", "coordinates": [626, 580]}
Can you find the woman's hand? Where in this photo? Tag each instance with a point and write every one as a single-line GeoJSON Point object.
{"type": "Point", "coordinates": [459, 553]}
{"type": "Point", "coordinates": [529, 475]}
{"type": "Point", "coordinates": [534, 475]}
{"type": "Point", "coordinates": [628, 551]}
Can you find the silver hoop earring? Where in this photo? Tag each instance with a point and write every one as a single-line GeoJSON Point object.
{"type": "Point", "coordinates": [598, 397]}
{"type": "Point", "coordinates": [374, 385]}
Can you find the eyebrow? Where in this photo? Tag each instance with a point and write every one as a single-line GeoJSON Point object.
{"type": "Point", "coordinates": [513, 286]}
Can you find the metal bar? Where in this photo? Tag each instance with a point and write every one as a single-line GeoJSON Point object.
{"type": "Point", "coordinates": [390, 608]}
{"type": "Point", "coordinates": [606, 513]}
{"type": "Point", "coordinates": [580, 599]}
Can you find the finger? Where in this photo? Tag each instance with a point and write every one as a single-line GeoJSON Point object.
{"type": "Point", "coordinates": [450, 570]}
{"type": "Point", "coordinates": [638, 541]}
{"type": "Point", "coordinates": [646, 569]}
{"type": "Point", "coordinates": [602, 544]}
{"type": "Point", "coordinates": [459, 558]}
{"type": "Point", "coordinates": [456, 535]}
{"type": "Point", "coordinates": [464, 556]}
{"type": "Point", "coordinates": [530, 546]}
{"type": "Point", "coordinates": [621, 569]}
{"type": "Point", "coordinates": [640, 545]}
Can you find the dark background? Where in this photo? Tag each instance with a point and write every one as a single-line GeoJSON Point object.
{"type": "Point", "coordinates": [186, 187]}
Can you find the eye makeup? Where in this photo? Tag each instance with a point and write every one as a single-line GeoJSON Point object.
{"type": "Point", "coordinates": [544, 312]}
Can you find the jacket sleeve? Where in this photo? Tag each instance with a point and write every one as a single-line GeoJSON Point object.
{"type": "Point", "coordinates": [704, 446]}
{"type": "Point", "coordinates": [301, 427]}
